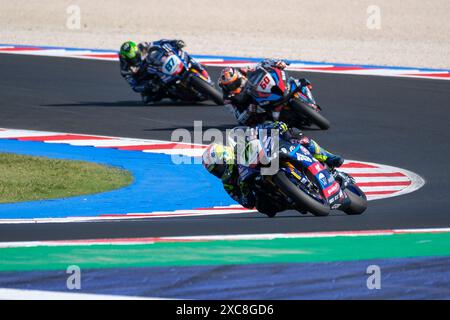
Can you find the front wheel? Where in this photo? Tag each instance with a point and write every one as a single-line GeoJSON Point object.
{"type": "Point", "coordinates": [301, 199]}
{"type": "Point", "coordinates": [358, 200]}
{"type": "Point", "coordinates": [312, 115]}
{"type": "Point", "coordinates": [207, 90]}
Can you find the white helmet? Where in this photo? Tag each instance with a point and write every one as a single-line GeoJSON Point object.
{"type": "Point", "coordinates": [219, 160]}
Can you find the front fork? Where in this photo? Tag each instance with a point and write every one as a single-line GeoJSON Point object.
{"type": "Point", "coordinates": [305, 93]}
{"type": "Point", "coordinates": [307, 89]}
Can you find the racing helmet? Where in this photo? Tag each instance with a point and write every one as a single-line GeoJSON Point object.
{"type": "Point", "coordinates": [219, 160]}
{"type": "Point", "coordinates": [231, 80]}
{"type": "Point", "coordinates": [130, 52]}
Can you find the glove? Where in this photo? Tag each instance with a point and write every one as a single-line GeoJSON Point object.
{"type": "Point", "coordinates": [180, 44]}
{"type": "Point", "coordinates": [152, 86]}
{"type": "Point", "coordinates": [252, 108]}
{"type": "Point", "coordinates": [143, 47]}
{"type": "Point", "coordinates": [334, 161]}
{"type": "Point", "coordinates": [244, 71]}
{"type": "Point", "coordinates": [304, 141]}
{"type": "Point", "coordinates": [134, 69]}
{"type": "Point", "coordinates": [280, 64]}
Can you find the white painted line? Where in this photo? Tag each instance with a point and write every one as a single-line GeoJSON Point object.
{"type": "Point", "coordinates": [20, 294]}
{"type": "Point", "coordinates": [130, 216]}
{"type": "Point", "coordinates": [382, 188]}
{"type": "Point", "coordinates": [107, 143]}
{"type": "Point", "coordinates": [377, 73]}
{"type": "Point", "coordinates": [24, 133]}
{"type": "Point", "coordinates": [194, 152]}
{"type": "Point", "coordinates": [294, 66]}
{"type": "Point", "coordinates": [267, 236]}
{"type": "Point", "coordinates": [382, 179]}
{"type": "Point", "coordinates": [383, 169]}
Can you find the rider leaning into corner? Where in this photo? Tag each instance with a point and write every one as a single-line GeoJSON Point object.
{"type": "Point", "coordinates": [236, 97]}
{"type": "Point", "coordinates": [221, 162]}
{"type": "Point", "coordinates": [137, 69]}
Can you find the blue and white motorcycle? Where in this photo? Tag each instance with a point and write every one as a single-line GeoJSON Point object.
{"type": "Point", "coordinates": [181, 76]}
{"type": "Point", "coordinates": [300, 182]}
{"type": "Point", "coordinates": [285, 99]}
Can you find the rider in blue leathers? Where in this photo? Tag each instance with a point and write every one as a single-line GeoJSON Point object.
{"type": "Point", "coordinates": [134, 67]}
{"type": "Point", "coordinates": [221, 162]}
{"type": "Point", "coordinates": [155, 58]}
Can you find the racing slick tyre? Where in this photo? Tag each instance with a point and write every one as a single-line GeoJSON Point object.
{"type": "Point", "coordinates": [208, 90]}
{"type": "Point", "coordinates": [312, 115]}
{"type": "Point", "coordinates": [301, 199]}
{"type": "Point", "coordinates": [358, 203]}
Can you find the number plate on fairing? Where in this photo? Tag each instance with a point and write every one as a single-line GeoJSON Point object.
{"type": "Point", "coordinates": [266, 84]}
{"type": "Point", "coordinates": [172, 65]}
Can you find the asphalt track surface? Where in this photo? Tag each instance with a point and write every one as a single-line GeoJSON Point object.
{"type": "Point", "coordinates": [394, 121]}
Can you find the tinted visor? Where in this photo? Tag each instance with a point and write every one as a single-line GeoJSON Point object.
{"type": "Point", "coordinates": [135, 60]}
{"type": "Point", "coordinates": [233, 85]}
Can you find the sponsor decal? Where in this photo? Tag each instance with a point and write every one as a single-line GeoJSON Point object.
{"type": "Point", "coordinates": [331, 189]}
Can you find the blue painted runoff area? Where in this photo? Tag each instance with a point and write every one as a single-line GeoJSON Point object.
{"type": "Point", "coordinates": [159, 184]}
{"type": "Point", "coordinates": [405, 278]}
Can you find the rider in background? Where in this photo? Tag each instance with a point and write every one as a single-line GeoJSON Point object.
{"type": "Point", "coordinates": [237, 100]}
{"type": "Point", "coordinates": [156, 55]}
{"type": "Point", "coordinates": [133, 67]}
{"type": "Point", "coordinates": [232, 81]}
{"type": "Point", "coordinates": [221, 162]}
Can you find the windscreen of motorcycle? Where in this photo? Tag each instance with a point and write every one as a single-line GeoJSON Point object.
{"type": "Point", "coordinates": [172, 65]}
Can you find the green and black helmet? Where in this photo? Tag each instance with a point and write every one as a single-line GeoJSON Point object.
{"type": "Point", "coordinates": [130, 52]}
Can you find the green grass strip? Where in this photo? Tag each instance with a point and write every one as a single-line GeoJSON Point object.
{"type": "Point", "coordinates": [25, 178]}
{"type": "Point", "coordinates": [226, 252]}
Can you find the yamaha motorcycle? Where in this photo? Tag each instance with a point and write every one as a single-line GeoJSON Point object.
{"type": "Point", "coordinates": [181, 77]}
{"type": "Point", "coordinates": [301, 182]}
{"type": "Point", "coordinates": [286, 99]}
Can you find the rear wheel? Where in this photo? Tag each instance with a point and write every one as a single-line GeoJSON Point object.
{"type": "Point", "coordinates": [301, 199]}
{"type": "Point", "coordinates": [358, 201]}
{"type": "Point", "coordinates": [312, 115]}
{"type": "Point", "coordinates": [207, 90]}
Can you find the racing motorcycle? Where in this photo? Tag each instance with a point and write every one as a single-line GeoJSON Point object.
{"type": "Point", "coordinates": [286, 99]}
{"type": "Point", "coordinates": [179, 77]}
{"type": "Point", "coordinates": [301, 182]}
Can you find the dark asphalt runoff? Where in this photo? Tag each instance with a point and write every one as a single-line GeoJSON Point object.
{"type": "Point", "coordinates": [394, 121]}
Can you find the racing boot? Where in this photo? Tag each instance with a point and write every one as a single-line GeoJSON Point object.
{"type": "Point", "coordinates": [146, 99]}
{"type": "Point", "coordinates": [152, 92]}
{"type": "Point", "coordinates": [267, 206]}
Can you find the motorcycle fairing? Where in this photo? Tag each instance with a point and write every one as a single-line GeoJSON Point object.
{"type": "Point", "coordinates": [173, 65]}
{"type": "Point", "coordinates": [268, 85]}
{"type": "Point", "coordinates": [330, 189]}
